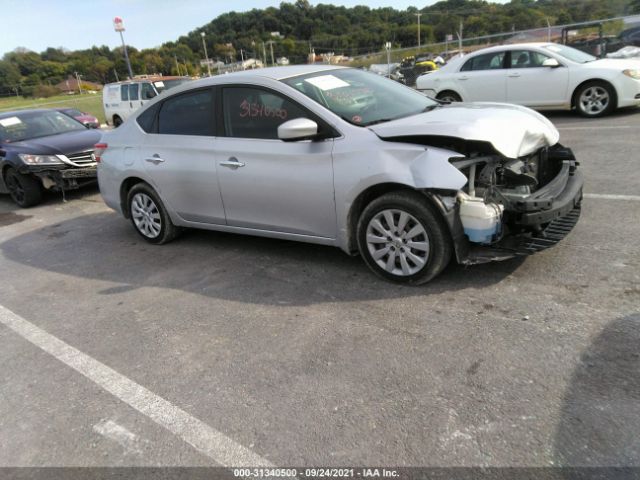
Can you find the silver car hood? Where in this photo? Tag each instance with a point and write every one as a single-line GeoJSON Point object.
{"type": "Point", "coordinates": [513, 131]}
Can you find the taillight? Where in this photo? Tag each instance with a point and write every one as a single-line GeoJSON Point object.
{"type": "Point", "coordinates": [98, 150]}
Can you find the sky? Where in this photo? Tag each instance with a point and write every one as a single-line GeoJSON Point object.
{"type": "Point", "coordinates": [79, 24]}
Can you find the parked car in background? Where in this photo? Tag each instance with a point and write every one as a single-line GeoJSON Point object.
{"type": "Point", "coordinates": [338, 156]}
{"type": "Point", "coordinates": [44, 150]}
{"type": "Point", "coordinates": [121, 99]}
{"type": "Point", "coordinates": [412, 67]}
{"type": "Point", "coordinates": [538, 75]}
{"type": "Point", "coordinates": [630, 37]}
{"type": "Point", "coordinates": [84, 118]}
{"type": "Point", "coordinates": [596, 46]}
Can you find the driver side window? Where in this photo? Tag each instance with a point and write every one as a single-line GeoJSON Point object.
{"type": "Point", "coordinates": [527, 59]}
{"type": "Point", "coordinates": [255, 113]}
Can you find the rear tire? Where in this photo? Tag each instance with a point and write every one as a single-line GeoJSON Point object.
{"type": "Point", "coordinates": [117, 121]}
{"type": "Point", "coordinates": [595, 99]}
{"type": "Point", "coordinates": [449, 96]}
{"type": "Point", "coordinates": [403, 238]}
{"type": "Point", "coordinates": [149, 215]}
{"type": "Point", "coordinates": [25, 190]}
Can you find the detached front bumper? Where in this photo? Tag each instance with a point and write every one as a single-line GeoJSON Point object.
{"type": "Point", "coordinates": [63, 177]}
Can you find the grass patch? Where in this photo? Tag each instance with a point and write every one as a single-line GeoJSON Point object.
{"type": "Point", "coordinates": [87, 103]}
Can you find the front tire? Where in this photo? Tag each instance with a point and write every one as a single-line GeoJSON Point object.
{"type": "Point", "coordinates": [402, 238]}
{"type": "Point", "coordinates": [595, 99]}
{"type": "Point", "coordinates": [25, 190]}
{"type": "Point", "coordinates": [449, 96]}
{"type": "Point", "coordinates": [117, 121]}
{"type": "Point", "coordinates": [149, 215]}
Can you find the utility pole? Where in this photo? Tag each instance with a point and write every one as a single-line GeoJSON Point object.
{"type": "Point", "coordinates": [79, 84]}
{"type": "Point", "coordinates": [271, 42]}
{"type": "Point", "coordinates": [264, 55]}
{"type": "Point", "coordinates": [387, 47]}
{"type": "Point", "coordinates": [418, 15]}
{"type": "Point", "coordinates": [175, 57]}
{"type": "Point", "coordinates": [548, 30]}
{"type": "Point", "coordinates": [460, 36]}
{"type": "Point", "coordinates": [206, 55]}
{"type": "Point", "coordinates": [242, 58]}
{"type": "Point", "coordinates": [118, 26]}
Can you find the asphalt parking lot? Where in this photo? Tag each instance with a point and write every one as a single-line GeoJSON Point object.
{"type": "Point", "coordinates": [225, 350]}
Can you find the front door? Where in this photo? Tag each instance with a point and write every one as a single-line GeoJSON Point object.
{"type": "Point", "coordinates": [531, 84]}
{"type": "Point", "coordinates": [268, 184]}
{"type": "Point", "coordinates": [180, 157]}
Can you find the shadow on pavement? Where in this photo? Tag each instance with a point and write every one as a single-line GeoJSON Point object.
{"type": "Point", "coordinates": [600, 419]}
{"type": "Point", "coordinates": [234, 267]}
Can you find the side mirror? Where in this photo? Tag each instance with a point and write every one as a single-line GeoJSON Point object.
{"type": "Point", "coordinates": [551, 63]}
{"type": "Point", "coordinates": [149, 94]}
{"type": "Point", "coordinates": [297, 129]}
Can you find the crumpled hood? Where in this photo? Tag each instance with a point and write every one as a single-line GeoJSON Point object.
{"type": "Point", "coordinates": [513, 130]}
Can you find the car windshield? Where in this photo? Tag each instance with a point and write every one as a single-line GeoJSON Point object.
{"type": "Point", "coordinates": [570, 53]}
{"type": "Point", "coordinates": [359, 97]}
{"type": "Point", "coordinates": [28, 125]}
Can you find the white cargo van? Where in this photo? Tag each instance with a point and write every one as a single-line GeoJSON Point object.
{"type": "Point", "coordinates": [121, 99]}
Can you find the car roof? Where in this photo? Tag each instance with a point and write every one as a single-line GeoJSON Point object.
{"type": "Point", "coordinates": [512, 46]}
{"type": "Point", "coordinates": [148, 78]}
{"type": "Point", "coordinates": [280, 73]}
{"type": "Point", "coordinates": [13, 113]}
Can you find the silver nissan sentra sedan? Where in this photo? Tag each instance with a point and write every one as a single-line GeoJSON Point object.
{"type": "Point", "coordinates": [342, 157]}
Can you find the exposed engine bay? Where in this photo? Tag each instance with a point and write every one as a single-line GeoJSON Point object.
{"type": "Point", "coordinates": [512, 207]}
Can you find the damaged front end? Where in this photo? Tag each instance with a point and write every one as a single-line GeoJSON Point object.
{"type": "Point", "coordinates": [512, 207]}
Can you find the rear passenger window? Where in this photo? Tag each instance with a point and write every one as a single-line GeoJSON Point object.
{"type": "Point", "coordinates": [147, 118]}
{"type": "Point", "coordinates": [124, 93]}
{"type": "Point", "coordinates": [488, 61]}
{"type": "Point", "coordinates": [187, 114]}
{"type": "Point", "coordinates": [255, 113]}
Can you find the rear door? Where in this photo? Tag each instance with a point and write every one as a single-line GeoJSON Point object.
{"type": "Point", "coordinates": [483, 78]}
{"type": "Point", "coordinates": [530, 83]}
{"type": "Point", "coordinates": [179, 157]}
{"type": "Point", "coordinates": [266, 183]}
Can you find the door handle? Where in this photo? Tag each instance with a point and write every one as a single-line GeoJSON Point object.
{"type": "Point", "coordinates": [463, 78]}
{"type": "Point", "coordinates": [514, 75]}
{"type": "Point", "coordinates": [155, 159]}
{"type": "Point", "coordinates": [233, 163]}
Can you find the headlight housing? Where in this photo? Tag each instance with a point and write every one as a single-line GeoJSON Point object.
{"type": "Point", "coordinates": [40, 159]}
{"type": "Point", "coordinates": [633, 73]}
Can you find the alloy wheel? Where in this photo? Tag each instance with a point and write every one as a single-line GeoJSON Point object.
{"type": "Point", "coordinates": [594, 100]}
{"type": "Point", "coordinates": [146, 215]}
{"type": "Point", "coordinates": [397, 242]}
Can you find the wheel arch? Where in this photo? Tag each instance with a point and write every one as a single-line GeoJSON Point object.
{"type": "Point", "coordinates": [574, 95]}
{"type": "Point", "coordinates": [371, 193]}
{"type": "Point", "coordinates": [450, 90]}
{"type": "Point", "coordinates": [125, 188]}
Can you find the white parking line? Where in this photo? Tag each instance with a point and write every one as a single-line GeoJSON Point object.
{"type": "Point", "coordinates": [198, 434]}
{"type": "Point", "coordinates": [604, 196]}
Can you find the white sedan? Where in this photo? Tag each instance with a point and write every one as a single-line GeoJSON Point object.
{"type": "Point", "coordinates": [540, 76]}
